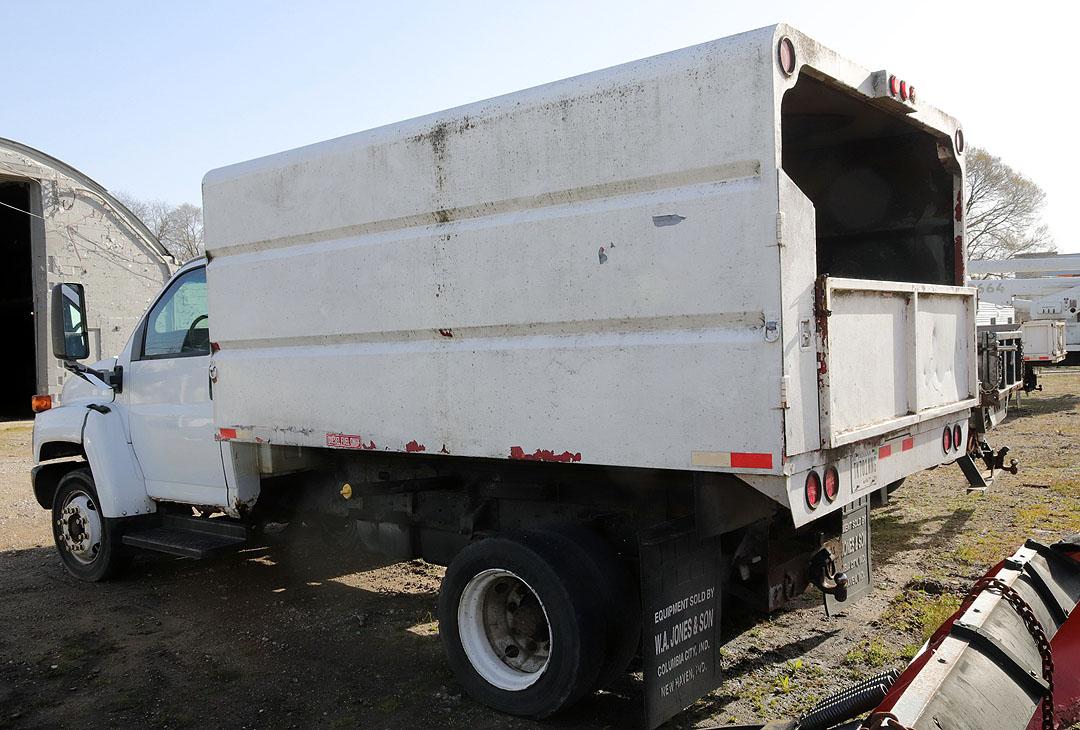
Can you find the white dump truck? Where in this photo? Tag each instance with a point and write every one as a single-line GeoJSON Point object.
{"type": "Point", "coordinates": [615, 350]}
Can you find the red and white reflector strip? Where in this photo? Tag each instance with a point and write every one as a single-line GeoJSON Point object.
{"type": "Point", "coordinates": [905, 443]}
{"type": "Point", "coordinates": [732, 459]}
{"type": "Point", "coordinates": [226, 434]}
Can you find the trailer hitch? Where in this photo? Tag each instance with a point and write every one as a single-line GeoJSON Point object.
{"type": "Point", "coordinates": [826, 578]}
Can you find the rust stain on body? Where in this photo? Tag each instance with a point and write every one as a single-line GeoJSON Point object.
{"type": "Point", "coordinates": [566, 457]}
{"type": "Point", "coordinates": [414, 447]}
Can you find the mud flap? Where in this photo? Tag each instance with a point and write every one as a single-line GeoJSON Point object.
{"type": "Point", "coordinates": [680, 591]}
{"type": "Point", "coordinates": [854, 554]}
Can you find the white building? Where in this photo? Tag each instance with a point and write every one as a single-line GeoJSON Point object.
{"type": "Point", "coordinates": [56, 224]}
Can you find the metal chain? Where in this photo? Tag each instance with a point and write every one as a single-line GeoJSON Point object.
{"type": "Point", "coordinates": [1034, 627]}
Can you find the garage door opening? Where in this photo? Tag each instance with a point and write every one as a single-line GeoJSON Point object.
{"type": "Point", "coordinates": [882, 187]}
{"type": "Point", "coordinates": [17, 301]}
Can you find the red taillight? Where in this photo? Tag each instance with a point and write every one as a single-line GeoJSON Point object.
{"type": "Point", "coordinates": [894, 85]}
{"type": "Point", "coordinates": [813, 490]}
{"type": "Point", "coordinates": [946, 440]}
{"type": "Point", "coordinates": [39, 403]}
{"type": "Point", "coordinates": [831, 484]}
{"type": "Point", "coordinates": [911, 94]}
{"type": "Point", "coordinates": [957, 436]}
{"type": "Point", "coordinates": [903, 90]}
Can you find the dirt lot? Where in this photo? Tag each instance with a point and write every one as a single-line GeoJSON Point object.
{"type": "Point", "coordinates": [293, 637]}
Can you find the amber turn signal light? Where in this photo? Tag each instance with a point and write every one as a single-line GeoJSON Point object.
{"type": "Point", "coordinates": [39, 403]}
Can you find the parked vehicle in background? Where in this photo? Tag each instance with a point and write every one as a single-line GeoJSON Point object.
{"type": "Point", "coordinates": [612, 349]}
{"type": "Point", "coordinates": [1040, 287]}
{"type": "Point", "coordinates": [1044, 341]}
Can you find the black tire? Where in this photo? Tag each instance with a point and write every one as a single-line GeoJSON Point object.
{"type": "Point", "coordinates": [107, 557]}
{"type": "Point", "coordinates": [549, 565]}
{"type": "Point", "coordinates": [619, 594]}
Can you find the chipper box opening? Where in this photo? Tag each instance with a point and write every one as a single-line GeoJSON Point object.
{"type": "Point", "coordinates": [616, 350]}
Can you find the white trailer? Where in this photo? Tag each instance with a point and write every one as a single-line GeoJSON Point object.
{"type": "Point", "coordinates": [1053, 296]}
{"type": "Point", "coordinates": [611, 348]}
{"type": "Point", "coordinates": [1044, 341]}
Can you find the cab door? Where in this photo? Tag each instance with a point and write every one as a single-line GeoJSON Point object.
{"type": "Point", "coordinates": [167, 387]}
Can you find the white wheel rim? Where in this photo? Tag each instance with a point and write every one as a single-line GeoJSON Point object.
{"type": "Point", "coordinates": [79, 527]}
{"type": "Point", "coordinates": [504, 629]}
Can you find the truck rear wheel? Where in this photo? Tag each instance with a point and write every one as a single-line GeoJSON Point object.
{"type": "Point", "coordinates": [87, 544]}
{"type": "Point", "coordinates": [519, 624]}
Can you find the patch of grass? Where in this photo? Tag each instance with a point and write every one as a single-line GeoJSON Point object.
{"type": "Point", "coordinates": [870, 653]}
{"type": "Point", "coordinates": [920, 612]}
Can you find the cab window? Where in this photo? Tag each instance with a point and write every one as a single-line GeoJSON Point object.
{"type": "Point", "coordinates": [178, 325]}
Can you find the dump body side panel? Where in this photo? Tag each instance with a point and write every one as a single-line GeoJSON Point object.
{"type": "Point", "coordinates": [586, 271]}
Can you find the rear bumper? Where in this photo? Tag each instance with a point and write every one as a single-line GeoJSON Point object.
{"type": "Point", "coordinates": [865, 466]}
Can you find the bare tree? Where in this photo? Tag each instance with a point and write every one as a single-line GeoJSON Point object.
{"type": "Point", "coordinates": [178, 227]}
{"type": "Point", "coordinates": [1004, 210]}
{"type": "Point", "coordinates": [187, 235]}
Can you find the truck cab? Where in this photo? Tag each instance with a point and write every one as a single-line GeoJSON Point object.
{"type": "Point", "coordinates": [142, 421]}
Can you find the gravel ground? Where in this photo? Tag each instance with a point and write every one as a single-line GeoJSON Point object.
{"type": "Point", "coordinates": [294, 636]}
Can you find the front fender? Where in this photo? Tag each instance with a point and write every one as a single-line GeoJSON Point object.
{"type": "Point", "coordinates": [119, 479]}
{"type": "Point", "coordinates": [61, 425]}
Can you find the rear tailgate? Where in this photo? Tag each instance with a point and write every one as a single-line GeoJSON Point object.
{"type": "Point", "coordinates": [892, 354]}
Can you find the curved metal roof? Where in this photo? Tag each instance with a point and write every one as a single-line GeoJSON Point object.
{"type": "Point", "coordinates": [88, 183]}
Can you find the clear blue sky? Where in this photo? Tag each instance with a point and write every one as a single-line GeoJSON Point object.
{"type": "Point", "coordinates": [146, 97]}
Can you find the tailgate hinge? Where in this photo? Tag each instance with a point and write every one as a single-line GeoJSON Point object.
{"type": "Point", "coordinates": [779, 229]}
{"type": "Point", "coordinates": [784, 380]}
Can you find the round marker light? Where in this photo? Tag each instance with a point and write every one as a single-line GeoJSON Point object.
{"type": "Point", "coordinates": [946, 440]}
{"type": "Point", "coordinates": [894, 85]}
{"type": "Point", "coordinates": [813, 490]}
{"type": "Point", "coordinates": [785, 54]}
{"type": "Point", "coordinates": [831, 484]}
{"type": "Point", "coordinates": [911, 94]}
{"type": "Point", "coordinates": [960, 140]}
{"type": "Point", "coordinates": [957, 436]}
{"type": "Point", "coordinates": [903, 90]}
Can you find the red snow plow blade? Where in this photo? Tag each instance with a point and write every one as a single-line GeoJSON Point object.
{"type": "Point", "coordinates": [1009, 658]}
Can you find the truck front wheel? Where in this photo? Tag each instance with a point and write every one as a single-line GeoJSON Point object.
{"type": "Point", "coordinates": [519, 624]}
{"type": "Point", "coordinates": [87, 544]}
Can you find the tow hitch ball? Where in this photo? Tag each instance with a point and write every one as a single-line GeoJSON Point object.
{"type": "Point", "coordinates": [826, 578]}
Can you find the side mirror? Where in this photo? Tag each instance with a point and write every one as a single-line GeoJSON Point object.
{"type": "Point", "coordinates": [70, 339]}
